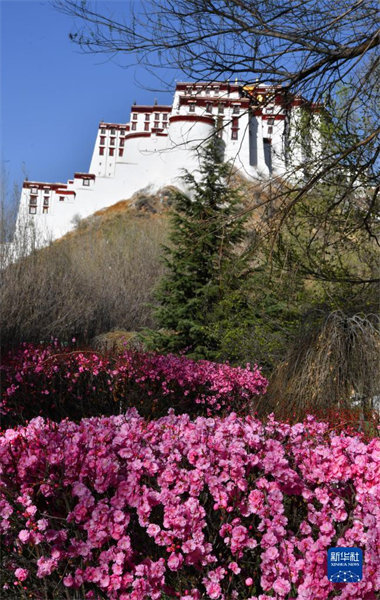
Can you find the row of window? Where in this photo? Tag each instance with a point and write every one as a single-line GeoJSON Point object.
{"type": "Point", "coordinates": [221, 107]}
{"type": "Point", "coordinates": [147, 116]}
{"type": "Point", "coordinates": [33, 210]}
{"type": "Point", "coordinates": [45, 205]}
{"type": "Point", "coordinates": [33, 205]}
{"type": "Point", "coordinates": [198, 90]}
{"type": "Point", "coordinates": [111, 151]}
{"type": "Point", "coordinates": [34, 190]}
{"type": "Point", "coordinates": [112, 141]}
{"type": "Point", "coordinates": [104, 131]}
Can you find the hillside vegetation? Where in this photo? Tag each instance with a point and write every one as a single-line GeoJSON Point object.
{"type": "Point", "coordinates": [96, 278]}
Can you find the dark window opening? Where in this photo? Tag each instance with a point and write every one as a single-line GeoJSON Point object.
{"type": "Point", "coordinates": [268, 153]}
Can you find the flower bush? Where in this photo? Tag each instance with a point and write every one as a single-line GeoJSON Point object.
{"type": "Point", "coordinates": [220, 508]}
{"type": "Point", "coordinates": [59, 382]}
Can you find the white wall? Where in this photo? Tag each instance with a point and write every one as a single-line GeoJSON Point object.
{"type": "Point", "coordinates": [152, 160]}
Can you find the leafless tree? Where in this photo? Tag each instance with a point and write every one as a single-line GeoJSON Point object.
{"type": "Point", "coordinates": [334, 363]}
{"type": "Point", "coordinates": [78, 287]}
{"type": "Point", "coordinates": [325, 51]}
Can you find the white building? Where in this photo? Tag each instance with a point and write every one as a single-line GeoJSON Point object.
{"type": "Point", "coordinates": [159, 142]}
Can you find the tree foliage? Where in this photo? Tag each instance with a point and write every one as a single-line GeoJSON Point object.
{"type": "Point", "coordinates": [205, 265]}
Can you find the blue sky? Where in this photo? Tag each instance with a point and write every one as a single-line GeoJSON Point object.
{"type": "Point", "coordinates": [53, 96]}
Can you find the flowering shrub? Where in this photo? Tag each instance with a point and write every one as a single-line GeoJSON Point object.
{"type": "Point", "coordinates": [220, 508]}
{"type": "Point", "coordinates": [57, 382]}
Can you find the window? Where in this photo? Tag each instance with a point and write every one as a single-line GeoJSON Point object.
{"type": "Point", "coordinates": [219, 127]}
{"type": "Point", "coordinates": [112, 151]}
{"type": "Point", "coordinates": [270, 121]}
{"type": "Point", "coordinates": [216, 91]}
{"type": "Point", "coordinates": [208, 91]}
{"type": "Point", "coordinates": [133, 126]}
{"type": "Point", "coordinates": [156, 123]}
{"type": "Point", "coordinates": [121, 141]}
{"type": "Point", "coordinates": [101, 151]}
{"type": "Point", "coordinates": [270, 130]}
{"type": "Point", "coordinates": [209, 107]}
{"type": "Point", "coordinates": [103, 131]}
{"type": "Point", "coordinates": [112, 132]}
{"type": "Point", "coordinates": [46, 201]}
{"type": "Point", "coordinates": [34, 190]}
{"type": "Point", "coordinates": [165, 117]}
{"type": "Point", "coordinates": [86, 182]}
{"type": "Point", "coordinates": [221, 109]}
{"type": "Point", "coordinates": [45, 210]}
{"type": "Point", "coordinates": [235, 128]}
{"type": "Point", "coordinates": [134, 116]}
{"type": "Point", "coordinates": [157, 116]}
{"type": "Point", "coordinates": [165, 125]}
{"type": "Point", "coordinates": [33, 200]}
{"type": "Point", "coordinates": [32, 210]}
{"type": "Point", "coordinates": [121, 151]}
{"type": "Point", "coordinates": [236, 109]}
{"type": "Point", "coordinates": [61, 198]}
{"type": "Point", "coordinates": [112, 141]}
{"type": "Point", "coordinates": [146, 126]}
{"type": "Point", "coordinates": [102, 140]}
{"type": "Point", "coordinates": [147, 117]}
{"type": "Point", "coordinates": [192, 107]}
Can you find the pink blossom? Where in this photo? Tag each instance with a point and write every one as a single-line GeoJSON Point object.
{"type": "Point", "coordinates": [21, 574]}
{"type": "Point", "coordinates": [281, 586]}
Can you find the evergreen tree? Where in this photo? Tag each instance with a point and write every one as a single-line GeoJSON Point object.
{"type": "Point", "coordinates": [205, 261]}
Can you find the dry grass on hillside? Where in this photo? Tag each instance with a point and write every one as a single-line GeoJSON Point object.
{"type": "Point", "coordinates": [98, 277]}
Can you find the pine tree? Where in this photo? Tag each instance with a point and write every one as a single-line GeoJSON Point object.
{"type": "Point", "coordinates": [204, 265]}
